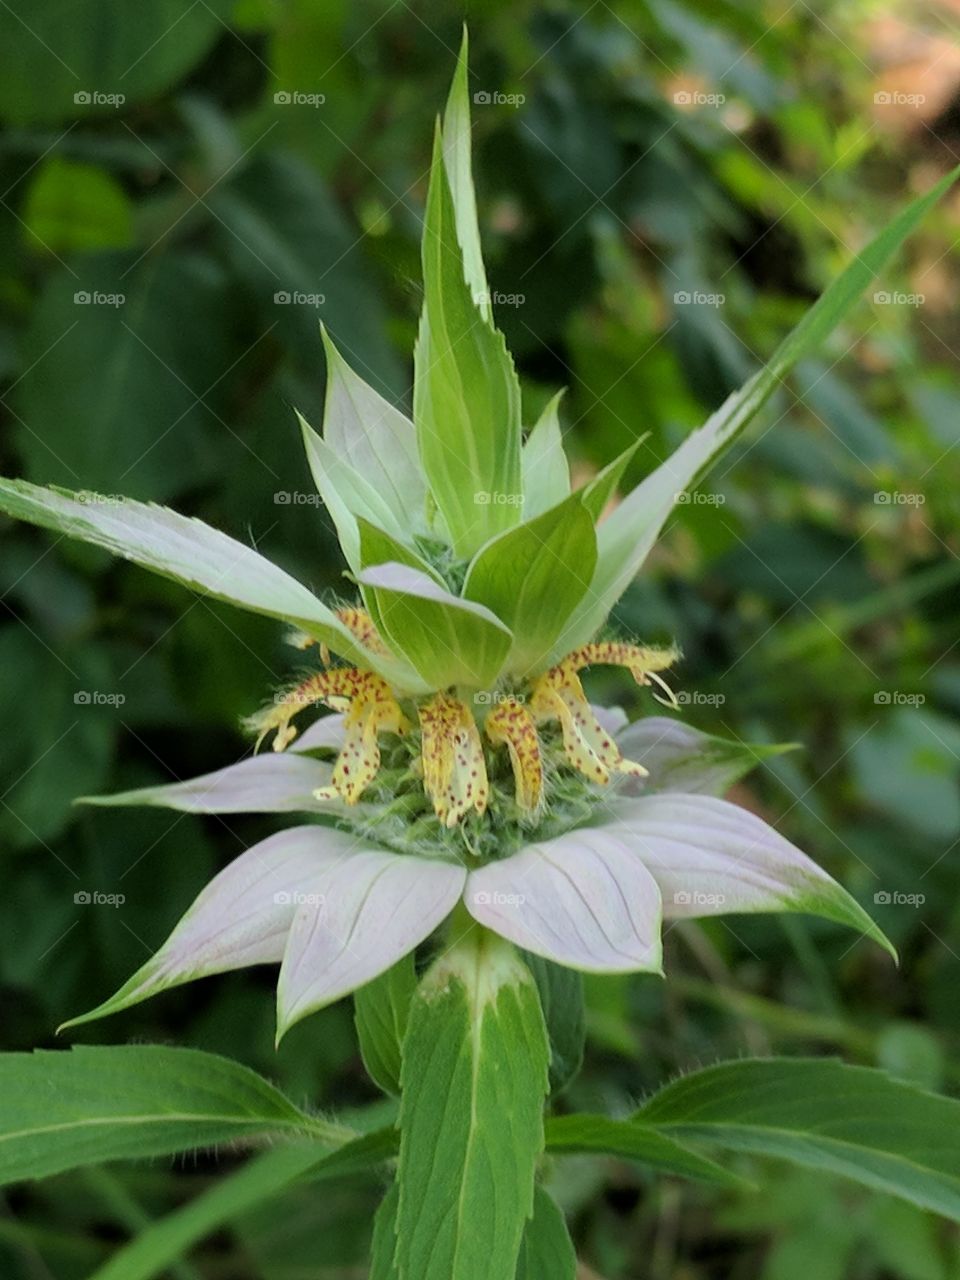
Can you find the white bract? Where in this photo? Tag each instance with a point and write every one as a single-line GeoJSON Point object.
{"type": "Point", "coordinates": [470, 775]}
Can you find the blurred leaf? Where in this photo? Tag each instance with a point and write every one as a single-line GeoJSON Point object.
{"type": "Point", "coordinates": [74, 207]}
{"type": "Point", "coordinates": [632, 1140]}
{"type": "Point", "coordinates": [905, 765]}
{"type": "Point", "coordinates": [561, 999]}
{"type": "Point", "coordinates": [70, 62]}
{"type": "Point", "coordinates": [129, 369]}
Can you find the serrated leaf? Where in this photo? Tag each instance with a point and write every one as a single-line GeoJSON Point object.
{"type": "Point", "coordinates": [59, 1110]}
{"type": "Point", "coordinates": [466, 392]}
{"type": "Point", "coordinates": [381, 1010]}
{"type": "Point", "coordinates": [582, 1133]}
{"type": "Point", "coordinates": [547, 1251]}
{"type": "Point", "coordinates": [456, 157]}
{"type": "Point", "coordinates": [475, 1040]}
{"type": "Point", "coordinates": [533, 576]}
{"type": "Point", "coordinates": [191, 553]}
{"type": "Point", "coordinates": [824, 1115]}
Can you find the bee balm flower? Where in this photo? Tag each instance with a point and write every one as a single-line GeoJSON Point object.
{"type": "Point", "coordinates": [459, 769]}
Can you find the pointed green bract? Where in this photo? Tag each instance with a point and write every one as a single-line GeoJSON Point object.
{"type": "Point", "coordinates": [532, 577]}
{"type": "Point", "coordinates": [449, 641]}
{"type": "Point", "coordinates": [546, 472]}
{"type": "Point", "coordinates": [346, 494]}
{"type": "Point", "coordinates": [466, 392]}
{"type": "Point", "coordinates": [598, 491]}
{"type": "Point", "coordinates": [474, 1079]}
{"type": "Point", "coordinates": [457, 159]}
{"type": "Point", "coordinates": [625, 539]}
{"type": "Point", "coordinates": [375, 439]}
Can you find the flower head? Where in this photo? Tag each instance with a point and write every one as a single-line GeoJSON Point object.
{"type": "Point", "coordinates": [468, 764]}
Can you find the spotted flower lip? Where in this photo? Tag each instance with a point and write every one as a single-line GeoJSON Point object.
{"type": "Point", "coordinates": [335, 911]}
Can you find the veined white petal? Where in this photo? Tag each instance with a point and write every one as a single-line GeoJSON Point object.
{"type": "Point", "coordinates": [583, 900]}
{"type": "Point", "coordinates": [370, 908]}
{"type": "Point", "coordinates": [328, 731]}
{"type": "Point", "coordinates": [242, 917]}
{"type": "Point", "coordinates": [711, 857]}
{"type": "Point", "coordinates": [262, 784]}
{"type": "Point", "coordinates": [678, 757]}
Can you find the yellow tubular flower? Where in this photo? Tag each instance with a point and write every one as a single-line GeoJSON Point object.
{"type": "Point", "coordinates": [371, 709]}
{"type": "Point", "coordinates": [362, 626]}
{"type": "Point", "coordinates": [510, 723]}
{"type": "Point", "coordinates": [454, 771]}
{"type": "Point", "coordinates": [559, 695]}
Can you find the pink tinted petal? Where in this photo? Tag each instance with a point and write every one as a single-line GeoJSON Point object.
{"type": "Point", "coordinates": [583, 900]}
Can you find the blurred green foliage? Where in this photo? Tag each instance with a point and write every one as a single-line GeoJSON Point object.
{"type": "Point", "coordinates": [187, 190]}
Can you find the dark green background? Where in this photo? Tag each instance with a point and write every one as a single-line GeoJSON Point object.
{"type": "Point", "coordinates": [808, 609]}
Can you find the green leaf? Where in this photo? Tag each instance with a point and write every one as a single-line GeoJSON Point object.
{"type": "Point", "coordinates": [192, 553]}
{"type": "Point", "coordinates": [98, 47]}
{"type": "Point", "coordinates": [581, 1133]}
{"type": "Point", "coordinates": [456, 157]}
{"type": "Point", "coordinates": [547, 1251]}
{"type": "Point", "coordinates": [381, 1009]}
{"type": "Point", "coordinates": [74, 207]}
{"type": "Point", "coordinates": [347, 495]}
{"type": "Point", "coordinates": [532, 577]}
{"type": "Point", "coordinates": [449, 641]}
{"type": "Point", "coordinates": [384, 1245]}
{"type": "Point", "coordinates": [375, 439]}
{"type": "Point", "coordinates": [474, 1079]}
{"type": "Point", "coordinates": [822, 1114]}
{"type": "Point", "coordinates": [59, 1110]}
{"type": "Point", "coordinates": [260, 1180]}
{"type": "Point", "coordinates": [626, 537]}
{"type": "Point", "coordinates": [562, 1002]}
{"type": "Point", "coordinates": [466, 392]}
{"type": "Point", "coordinates": [546, 472]}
